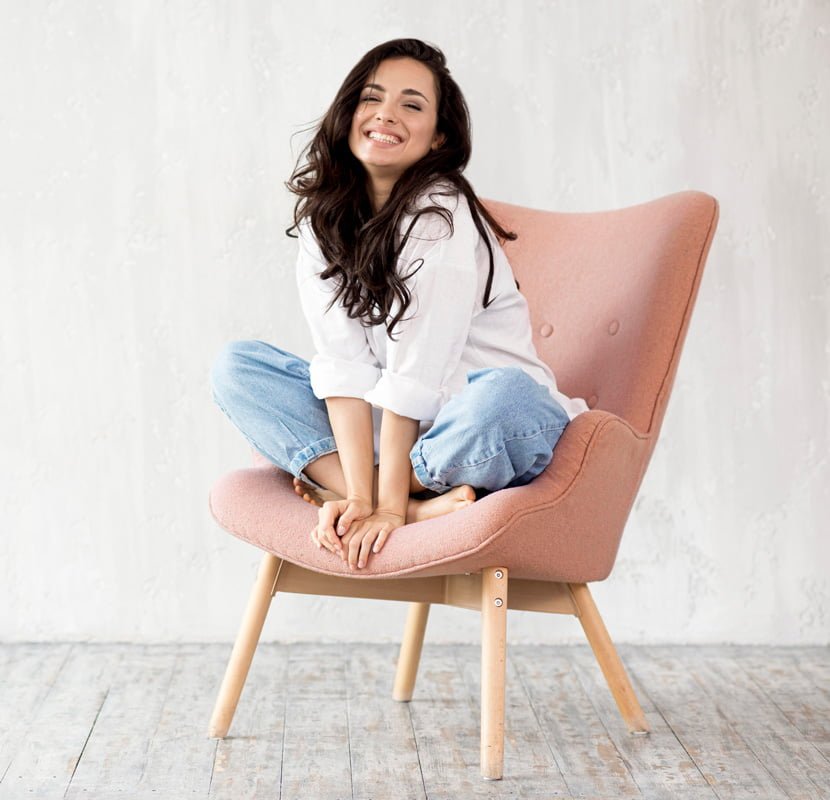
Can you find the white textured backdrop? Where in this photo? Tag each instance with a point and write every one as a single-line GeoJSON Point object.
{"type": "Point", "coordinates": [143, 149]}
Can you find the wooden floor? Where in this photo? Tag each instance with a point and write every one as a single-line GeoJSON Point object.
{"type": "Point", "coordinates": [318, 721]}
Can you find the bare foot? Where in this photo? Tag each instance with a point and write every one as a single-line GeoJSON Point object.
{"type": "Point", "coordinates": [311, 494]}
{"type": "Point", "coordinates": [417, 510]}
{"type": "Point", "coordinates": [453, 500]}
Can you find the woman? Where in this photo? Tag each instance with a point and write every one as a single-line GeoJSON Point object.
{"type": "Point", "coordinates": [425, 386]}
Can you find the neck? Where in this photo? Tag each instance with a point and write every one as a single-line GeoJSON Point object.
{"type": "Point", "coordinates": [379, 190]}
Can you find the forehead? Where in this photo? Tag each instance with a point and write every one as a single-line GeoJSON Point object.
{"type": "Point", "coordinates": [395, 74]}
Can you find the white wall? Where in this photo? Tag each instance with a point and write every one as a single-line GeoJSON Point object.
{"type": "Point", "coordinates": [143, 149]}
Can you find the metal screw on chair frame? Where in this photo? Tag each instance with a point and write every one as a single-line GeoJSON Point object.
{"type": "Point", "coordinates": [499, 573]}
{"type": "Point", "coordinates": [499, 602]}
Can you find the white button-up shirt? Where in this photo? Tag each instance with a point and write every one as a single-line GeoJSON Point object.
{"type": "Point", "coordinates": [445, 332]}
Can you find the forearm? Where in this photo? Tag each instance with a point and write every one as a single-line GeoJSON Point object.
{"type": "Point", "coordinates": [397, 435]}
{"type": "Point", "coordinates": [351, 423]}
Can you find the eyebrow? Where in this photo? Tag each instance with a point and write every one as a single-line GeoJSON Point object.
{"type": "Point", "coordinates": [405, 91]}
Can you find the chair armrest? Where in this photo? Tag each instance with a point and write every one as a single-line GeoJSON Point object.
{"type": "Point", "coordinates": [566, 524]}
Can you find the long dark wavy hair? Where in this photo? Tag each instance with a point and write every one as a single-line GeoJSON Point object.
{"type": "Point", "coordinates": [358, 245]}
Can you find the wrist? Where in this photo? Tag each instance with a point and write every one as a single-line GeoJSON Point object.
{"type": "Point", "coordinates": [392, 511]}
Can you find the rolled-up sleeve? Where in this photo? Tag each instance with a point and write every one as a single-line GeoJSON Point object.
{"type": "Point", "coordinates": [343, 365]}
{"type": "Point", "coordinates": [431, 337]}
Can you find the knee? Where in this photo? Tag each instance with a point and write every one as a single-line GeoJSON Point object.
{"type": "Point", "coordinates": [228, 364]}
{"type": "Point", "coordinates": [509, 386]}
{"type": "Point", "coordinates": [511, 395]}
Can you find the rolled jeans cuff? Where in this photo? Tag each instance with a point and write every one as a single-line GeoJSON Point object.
{"type": "Point", "coordinates": [311, 453]}
{"type": "Point", "coordinates": [419, 467]}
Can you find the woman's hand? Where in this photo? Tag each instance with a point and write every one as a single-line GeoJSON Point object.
{"type": "Point", "coordinates": [341, 513]}
{"type": "Point", "coordinates": [374, 529]}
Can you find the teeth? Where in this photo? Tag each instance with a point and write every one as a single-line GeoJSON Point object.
{"type": "Point", "coordinates": [382, 138]}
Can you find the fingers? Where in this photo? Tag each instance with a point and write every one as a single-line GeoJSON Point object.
{"type": "Point", "coordinates": [355, 511]}
{"type": "Point", "coordinates": [365, 547]}
{"type": "Point", "coordinates": [327, 516]}
{"type": "Point", "coordinates": [381, 540]}
{"type": "Point", "coordinates": [321, 541]}
{"type": "Point", "coordinates": [359, 545]}
{"type": "Point", "coordinates": [345, 521]}
{"type": "Point", "coordinates": [356, 545]}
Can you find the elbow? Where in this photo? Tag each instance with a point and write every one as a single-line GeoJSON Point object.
{"type": "Point", "coordinates": [405, 397]}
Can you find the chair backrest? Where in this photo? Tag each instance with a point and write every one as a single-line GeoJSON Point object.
{"type": "Point", "coordinates": [611, 294]}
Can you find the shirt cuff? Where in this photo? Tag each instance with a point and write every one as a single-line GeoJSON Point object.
{"type": "Point", "coordinates": [337, 377]}
{"type": "Point", "coordinates": [405, 396]}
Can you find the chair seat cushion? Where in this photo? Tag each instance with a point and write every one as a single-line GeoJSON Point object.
{"type": "Point", "coordinates": [535, 531]}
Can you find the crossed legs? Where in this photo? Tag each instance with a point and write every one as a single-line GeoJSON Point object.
{"type": "Point", "coordinates": [328, 472]}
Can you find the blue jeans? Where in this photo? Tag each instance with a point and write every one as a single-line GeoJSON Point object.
{"type": "Point", "coordinates": [499, 431]}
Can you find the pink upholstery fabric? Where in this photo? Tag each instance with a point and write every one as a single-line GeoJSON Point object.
{"type": "Point", "coordinates": [611, 295]}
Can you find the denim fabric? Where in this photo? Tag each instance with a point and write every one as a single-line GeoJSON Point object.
{"type": "Point", "coordinates": [499, 431]}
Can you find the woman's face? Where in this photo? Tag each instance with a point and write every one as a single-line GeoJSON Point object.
{"type": "Point", "coordinates": [394, 124]}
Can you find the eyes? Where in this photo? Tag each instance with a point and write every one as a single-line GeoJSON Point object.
{"type": "Point", "coordinates": [368, 97]}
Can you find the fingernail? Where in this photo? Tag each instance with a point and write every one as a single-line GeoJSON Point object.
{"type": "Point", "coordinates": [360, 563]}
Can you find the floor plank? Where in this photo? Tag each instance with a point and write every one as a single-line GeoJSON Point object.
{"type": "Point", "coordinates": [248, 761]}
{"type": "Point", "coordinates": [27, 674]}
{"type": "Point", "coordinates": [796, 681]}
{"type": "Point", "coordinates": [318, 721]}
{"type": "Point", "coordinates": [316, 759]}
{"type": "Point", "coordinates": [379, 726]}
{"type": "Point", "coordinates": [180, 756]}
{"type": "Point", "coordinates": [115, 754]}
{"type": "Point", "coordinates": [587, 757]}
{"type": "Point", "coordinates": [532, 764]}
{"type": "Point", "coordinates": [786, 753]}
{"type": "Point", "coordinates": [447, 729]}
{"type": "Point", "coordinates": [55, 737]}
{"type": "Point", "coordinates": [720, 752]}
{"type": "Point", "coordinates": [658, 762]}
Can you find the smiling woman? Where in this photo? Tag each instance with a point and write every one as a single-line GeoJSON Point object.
{"type": "Point", "coordinates": [390, 131]}
{"type": "Point", "coordinates": [386, 219]}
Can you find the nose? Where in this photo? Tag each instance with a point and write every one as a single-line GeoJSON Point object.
{"type": "Point", "coordinates": [385, 112]}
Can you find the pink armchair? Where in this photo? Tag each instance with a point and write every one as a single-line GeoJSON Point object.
{"type": "Point", "coordinates": [611, 294]}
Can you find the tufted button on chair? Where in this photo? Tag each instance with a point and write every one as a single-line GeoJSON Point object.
{"type": "Point", "coordinates": [611, 295]}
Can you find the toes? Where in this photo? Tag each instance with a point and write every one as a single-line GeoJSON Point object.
{"type": "Point", "coordinates": [468, 493]}
{"type": "Point", "coordinates": [462, 493]}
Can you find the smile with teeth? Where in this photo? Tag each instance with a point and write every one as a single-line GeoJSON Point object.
{"type": "Point", "coordinates": [380, 137]}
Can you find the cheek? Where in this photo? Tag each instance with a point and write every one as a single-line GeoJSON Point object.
{"type": "Point", "coordinates": [357, 121]}
{"type": "Point", "coordinates": [354, 133]}
{"type": "Point", "coordinates": [426, 135]}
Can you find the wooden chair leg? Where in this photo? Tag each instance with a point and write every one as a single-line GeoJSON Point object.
{"type": "Point", "coordinates": [493, 667]}
{"type": "Point", "coordinates": [609, 661]}
{"type": "Point", "coordinates": [244, 647]}
{"type": "Point", "coordinates": [410, 655]}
